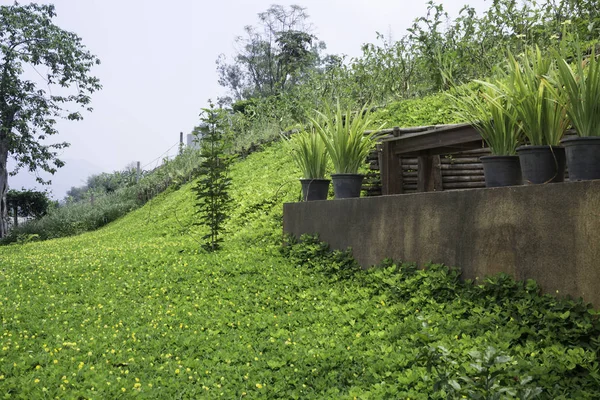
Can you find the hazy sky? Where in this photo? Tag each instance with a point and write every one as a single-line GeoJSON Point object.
{"type": "Point", "coordinates": [158, 66]}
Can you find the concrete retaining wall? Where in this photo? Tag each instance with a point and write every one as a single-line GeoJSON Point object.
{"type": "Point", "coordinates": [550, 233]}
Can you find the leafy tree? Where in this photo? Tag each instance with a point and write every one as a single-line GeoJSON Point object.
{"type": "Point", "coordinates": [28, 110]}
{"type": "Point", "coordinates": [27, 204]}
{"type": "Point", "coordinates": [76, 193]}
{"type": "Point", "coordinates": [272, 57]}
{"type": "Point", "coordinates": [212, 194]}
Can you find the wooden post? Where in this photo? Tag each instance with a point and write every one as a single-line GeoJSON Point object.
{"type": "Point", "coordinates": [429, 173]}
{"type": "Point", "coordinates": [180, 142]}
{"type": "Point", "coordinates": [437, 174]}
{"type": "Point", "coordinates": [16, 216]}
{"type": "Point", "coordinates": [391, 173]}
{"type": "Point", "coordinates": [137, 173]}
{"type": "Point", "coordinates": [423, 173]}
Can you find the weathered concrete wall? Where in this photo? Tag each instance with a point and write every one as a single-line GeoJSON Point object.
{"type": "Point", "coordinates": [550, 233]}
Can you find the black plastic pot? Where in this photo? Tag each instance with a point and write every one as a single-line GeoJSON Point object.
{"type": "Point", "coordinates": [583, 157]}
{"type": "Point", "coordinates": [542, 164]}
{"type": "Point", "coordinates": [501, 171]}
{"type": "Point", "coordinates": [314, 189]}
{"type": "Point", "coordinates": [346, 185]}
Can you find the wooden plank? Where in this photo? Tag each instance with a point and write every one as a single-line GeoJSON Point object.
{"type": "Point", "coordinates": [459, 172]}
{"type": "Point", "coordinates": [389, 132]}
{"type": "Point", "coordinates": [481, 151]}
{"type": "Point", "coordinates": [390, 171]}
{"type": "Point", "coordinates": [477, 178]}
{"type": "Point", "coordinates": [437, 173]}
{"type": "Point", "coordinates": [462, 137]}
{"type": "Point", "coordinates": [461, 160]}
{"type": "Point", "coordinates": [374, 154]}
{"type": "Point", "coordinates": [464, 185]}
{"type": "Point", "coordinates": [443, 150]}
{"type": "Point", "coordinates": [409, 167]}
{"type": "Point", "coordinates": [400, 176]}
{"type": "Point", "coordinates": [462, 166]}
{"type": "Point", "coordinates": [425, 174]}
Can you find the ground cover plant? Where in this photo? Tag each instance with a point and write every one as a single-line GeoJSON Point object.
{"type": "Point", "coordinates": [133, 310]}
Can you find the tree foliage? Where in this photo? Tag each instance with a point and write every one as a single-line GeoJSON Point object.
{"type": "Point", "coordinates": [32, 45]}
{"type": "Point", "coordinates": [271, 57]}
{"type": "Point", "coordinates": [27, 203]}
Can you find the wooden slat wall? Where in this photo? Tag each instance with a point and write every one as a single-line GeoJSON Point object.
{"type": "Point", "coordinates": [459, 171]}
{"type": "Point", "coordinates": [372, 182]}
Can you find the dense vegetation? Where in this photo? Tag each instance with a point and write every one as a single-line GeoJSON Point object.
{"type": "Point", "coordinates": [107, 197]}
{"type": "Point", "coordinates": [139, 309]}
{"type": "Point", "coordinates": [281, 73]}
{"type": "Point", "coordinates": [435, 54]}
{"type": "Point", "coordinates": [134, 309]}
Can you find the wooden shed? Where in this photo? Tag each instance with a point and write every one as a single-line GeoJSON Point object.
{"type": "Point", "coordinates": [426, 158]}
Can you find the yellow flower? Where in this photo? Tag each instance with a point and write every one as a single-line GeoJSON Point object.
{"type": "Point", "coordinates": [259, 385]}
{"type": "Point", "coordinates": [177, 371]}
{"type": "Point", "coordinates": [37, 381]}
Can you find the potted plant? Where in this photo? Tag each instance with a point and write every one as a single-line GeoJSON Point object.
{"type": "Point", "coordinates": [494, 117]}
{"type": "Point", "coordinates": [343, 133]}
{"type": "Point", "coordinates": [541, 114]}
{"type": "Point", "coordinates": [581, 87]}
{"type": "Point", "coordinates": [310, 155]}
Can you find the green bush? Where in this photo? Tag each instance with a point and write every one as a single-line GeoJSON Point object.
{"type": "Point", "coordinates": [430, 110]}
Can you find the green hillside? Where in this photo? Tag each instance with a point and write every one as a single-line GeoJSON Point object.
{"type": "Point", "coordinates": [135, 310]}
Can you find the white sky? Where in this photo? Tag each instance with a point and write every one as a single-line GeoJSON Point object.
{"type": "Point", "coordinates": [158, 66]}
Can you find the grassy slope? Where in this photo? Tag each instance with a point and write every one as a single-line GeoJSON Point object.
{"type": "Point", "coordinates": [134, 310]}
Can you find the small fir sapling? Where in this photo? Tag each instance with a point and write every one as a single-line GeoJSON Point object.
{"type": "Point", "coordinates": [213, 200]}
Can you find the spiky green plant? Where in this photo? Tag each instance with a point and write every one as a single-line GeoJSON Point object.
{"type": "Point", "coordinates": [492, 115]}
{"type": "Point", "coordinates": [540, 110]}
{"type": "Point", "coordinates": [580, 84]}
{"type": "Point", "coordinates": [309, 153]}
{"type": "Point", "coordinates": [343, 133]}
